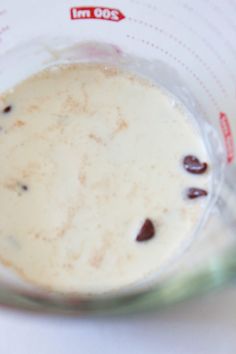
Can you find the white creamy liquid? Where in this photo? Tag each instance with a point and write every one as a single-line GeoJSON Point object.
{"type": "Point", "coordinates": [87, 153]}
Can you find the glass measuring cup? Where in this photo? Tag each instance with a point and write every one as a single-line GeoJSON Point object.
{"type": "Point", "coordinates": [194, 57]}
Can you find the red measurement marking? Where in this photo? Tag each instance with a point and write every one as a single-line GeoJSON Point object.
{"type": "Point", "coordinates": [228, 136]}
{"type": "Point", "coordinates": [96, 13]}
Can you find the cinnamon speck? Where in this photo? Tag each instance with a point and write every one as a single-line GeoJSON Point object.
{"type": "Point", "coordinates": [24, 187]}
{"type": "Point", "coordinates": [19, 123]}
{"type": "Point", "coordinates": [7, 109]}
{"type": "Point", "coordinates": [96, 138]}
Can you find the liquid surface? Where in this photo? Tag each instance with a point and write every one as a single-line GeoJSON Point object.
{"type": "Point", "coordinates": [87, 154]}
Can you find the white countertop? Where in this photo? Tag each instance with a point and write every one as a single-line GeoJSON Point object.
{"type": "Point", "coordinates": [203, 326]}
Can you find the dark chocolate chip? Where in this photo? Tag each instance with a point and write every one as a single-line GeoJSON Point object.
{"type": "Point", "coordinates": [146, 232]}
{"type": "Point", "coordinates": [24, 187]}
{"type": "Point", "coordinates": [193, 193]}
{"type": "Point", "coordinates": [7, 109]}
{"type": "Point", "coordinates": [193, 165]}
